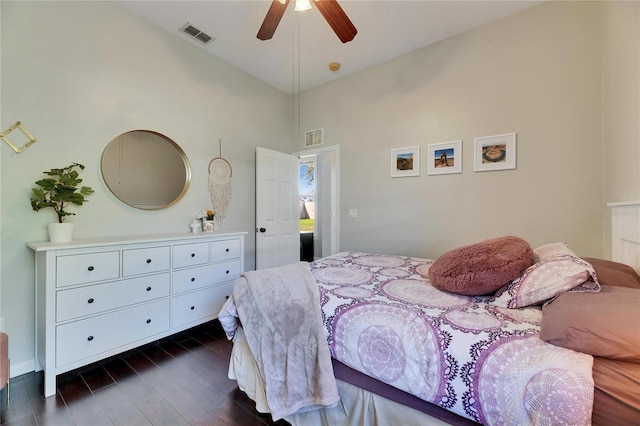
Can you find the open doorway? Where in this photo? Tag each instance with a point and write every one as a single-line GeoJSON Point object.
{"type": "Point", "coordinates": [307, 191]}
{"type": "Point", "coordinates": [318, 188]}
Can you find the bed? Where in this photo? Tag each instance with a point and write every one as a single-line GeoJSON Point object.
{"type": "Point", "coordinates": [394, 345]}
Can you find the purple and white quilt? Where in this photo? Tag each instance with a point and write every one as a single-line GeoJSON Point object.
{"type": "Point", "coordinates": [479, 360]}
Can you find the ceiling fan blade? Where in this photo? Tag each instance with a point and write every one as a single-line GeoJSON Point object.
{"type": "Point", "coordinates": [337, 19]}
{"type": "Point", "coordinates": [271, 21]}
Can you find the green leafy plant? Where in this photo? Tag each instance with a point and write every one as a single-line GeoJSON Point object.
{"type": "Point", "coordinates": [60, 190]}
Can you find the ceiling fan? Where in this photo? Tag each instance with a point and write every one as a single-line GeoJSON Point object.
{"type": "Point", "coordinates": [330, 9]}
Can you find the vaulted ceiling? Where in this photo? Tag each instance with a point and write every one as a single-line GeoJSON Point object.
{"type": "Point", "coordinates": [299, 54]}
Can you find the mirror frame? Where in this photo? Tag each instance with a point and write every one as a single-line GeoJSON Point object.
{"type": "Point", "coordinates": [183, 157]}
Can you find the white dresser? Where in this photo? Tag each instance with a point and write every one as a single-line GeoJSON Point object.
{"type": "Point", "coordinates": [98, 297]}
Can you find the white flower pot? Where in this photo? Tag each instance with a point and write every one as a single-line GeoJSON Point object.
{"type": "Point", "coordinates": [60, 232]}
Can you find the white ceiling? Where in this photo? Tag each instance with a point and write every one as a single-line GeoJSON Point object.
{"type": "Point", "coordinates": [304, 44]}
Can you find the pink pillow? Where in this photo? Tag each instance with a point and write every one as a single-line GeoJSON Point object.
{"type": "Point", "coordinates": [614, 273]}
{"type": "Point", "coordinates": [481, 268]}
{"type": "Point", "coordinates": [601, 324]}
{"type": "Point", "coordinates": [559, 270]}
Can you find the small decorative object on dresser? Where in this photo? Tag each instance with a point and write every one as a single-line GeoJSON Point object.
{"type": "Point", "coordinates": [208, 220]}
{"type": "Point", "coordinates": [58, 192]}
{"type": "Point", "coordinates": [195, 226]}
{"type": "Point", "coordinates": [102, 296]}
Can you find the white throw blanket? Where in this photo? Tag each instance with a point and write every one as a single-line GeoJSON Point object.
{"type": "Point", "coordinates": [279, 309]}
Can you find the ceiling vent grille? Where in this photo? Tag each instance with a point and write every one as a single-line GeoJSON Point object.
{"type": "Point", "coordinates": [313, 137]}
{"type": "Point", "coordinates": [194, 32]}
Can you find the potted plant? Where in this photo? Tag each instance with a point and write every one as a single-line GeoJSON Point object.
{"type": "Point", "coordinates": [207, 217]}
{"type": "Point", "coordinates": [59, 191]}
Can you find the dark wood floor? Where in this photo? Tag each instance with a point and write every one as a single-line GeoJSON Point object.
{"type": "Point", "coordinates": [181, 380]}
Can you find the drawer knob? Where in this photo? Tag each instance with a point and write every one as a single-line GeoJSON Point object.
{"type": "Point", "coordinates": [148, 321]}
{"type": "Point", "coordinates": [193, 307]}
{"type": "Point", "coordinates": [192, 279]}
{"type": "Point", "coordinates": [227, 272]}
{"type": "Point", "coordinates": [227, 250]}
{"type": "Point", "coordinates": [148, 260]}
{"type": "Point", "coordinates": [193, 255]}
{"type": "Point", "coordinates": [90, 338]}
{"type": "Point", "coordinates": [90, 300]}
{"type": "Point", "coordinates": [226, 297]}
{"type": "Point", "coordinates": [148, 288]}
{"type": "Point", "coordinates": [90, 268]}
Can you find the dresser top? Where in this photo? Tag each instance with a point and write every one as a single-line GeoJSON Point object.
{"type": "Point", "coordinates": [131, 239]}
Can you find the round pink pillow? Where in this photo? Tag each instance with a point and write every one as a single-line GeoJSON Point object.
{"type": "Point", "coordinates": [481, 268]}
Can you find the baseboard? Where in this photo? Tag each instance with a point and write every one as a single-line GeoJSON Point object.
{"type": "Point", "coordinates": [18, 369]}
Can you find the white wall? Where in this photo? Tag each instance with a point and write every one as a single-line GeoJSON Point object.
{"type": "Point", "coordinates": [77, 74]}
{"type": "Point", "coordinates": [621, 111]}
{"type": "Point", "coordinates": [621, 106]}
{"type": "Point", "coordinates": [537, 73]}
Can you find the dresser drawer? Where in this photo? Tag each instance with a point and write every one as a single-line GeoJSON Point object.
{"type": "Point", "coordinates": [93, 299]}
{"type": "Point", "coordinates": [225, 249]}
{"type": "Point", "coordinates": [203, 276]}
{"type": "Point", "coordinates": [200, 304]}
{"type": "Point", "coordinates": [87, 268]}
{"type": "Point", "coordinates": [92, 336]}
{"type": "Point", "coordinates": [190, 254]}
{"type": "Point", "coordinates": [145, 260]}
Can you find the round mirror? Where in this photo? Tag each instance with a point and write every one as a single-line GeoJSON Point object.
{"type": "Point", "coordinates": [145, 170]}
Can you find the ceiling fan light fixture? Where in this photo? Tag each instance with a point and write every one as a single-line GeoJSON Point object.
{"type": "Point", "coordinates": [302, 5]}
{"type": "Point", "coordinates": [329, 9]}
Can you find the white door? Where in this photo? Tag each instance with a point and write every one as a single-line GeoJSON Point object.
{"type": "Point", "coordinates": [277, 209]}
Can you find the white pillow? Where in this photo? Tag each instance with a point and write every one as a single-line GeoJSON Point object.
{"type": "Point", "coordinates": [557, 270]}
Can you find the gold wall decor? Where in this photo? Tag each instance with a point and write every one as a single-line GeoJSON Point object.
{"type": "Point", "coordinates": [18, 125]}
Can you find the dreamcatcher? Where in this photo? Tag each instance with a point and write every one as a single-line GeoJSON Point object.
{"type": "Point", "coordinates": [220, 185]}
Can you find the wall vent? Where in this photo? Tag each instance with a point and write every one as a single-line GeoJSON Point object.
{"type": "Point", "coordinates": [194, 32]}
{"type": "Point", "coordinates": [313, 137]}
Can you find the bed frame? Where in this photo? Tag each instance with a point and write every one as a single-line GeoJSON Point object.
{"type": "Point", "coordinates": [625, 233]}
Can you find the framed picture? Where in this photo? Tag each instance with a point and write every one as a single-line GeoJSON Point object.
{"type": "Point", "coordinates": [405, 162]}
{"type": "Point", "coordinates": [495, 153]}
{"type": "Point", "coordinates": [445, 158]}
